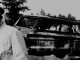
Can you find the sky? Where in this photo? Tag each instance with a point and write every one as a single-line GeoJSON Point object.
{"type": "Point", "coordinates": [55, 7]}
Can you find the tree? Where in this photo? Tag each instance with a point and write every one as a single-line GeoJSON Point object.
{"type": "Point", "coordinates": [61, 16]}
{"type": "Point", "coordinates": [42, 12]}
{"type": "Point", "coordinates": [70, 17]}
{"type": "Point", "coordinates": [31, 13]}
{"type": "Point", "coordinates": [14, 7]}
{"type": "Point", "coordinates": [48, 14]}
{"type": "Point", "coordinates": [37, 13]}
{"type": "Point", "coordinates": [54, 16]}
{"type": "Point", "coordinates": [73, 18]}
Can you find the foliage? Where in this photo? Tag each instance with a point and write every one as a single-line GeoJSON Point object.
{"type": "Point", "coordinates": [42, 12]}
{"type": "Point", "coordinates": [48, 14]}
{"type": "Point", "coordinates": [37, 13]}
{"type": "Point", "coordinates": [14, 7]}
{"type": "Point", "coordinates": [31, 13]}
{"type": "Point", "coordinates": [61, 16]}
{"type": "Point", "coordinates": [69, 17]}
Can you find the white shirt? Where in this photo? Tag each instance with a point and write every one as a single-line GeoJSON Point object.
{"type": "Point", "coordinates": [12, 45]}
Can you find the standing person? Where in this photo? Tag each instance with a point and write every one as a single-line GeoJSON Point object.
{"type": "Point", "coordinates": [12, 45]}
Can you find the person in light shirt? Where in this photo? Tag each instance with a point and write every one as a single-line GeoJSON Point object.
{"type": "Point", "coordinates": [12, 44]}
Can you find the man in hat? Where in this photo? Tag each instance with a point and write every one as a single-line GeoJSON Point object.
{"type": "Point", "coordinates": [12, 45]}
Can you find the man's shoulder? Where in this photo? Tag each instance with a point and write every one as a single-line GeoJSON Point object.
{"type": "Point", "coordinates": [11, 28]}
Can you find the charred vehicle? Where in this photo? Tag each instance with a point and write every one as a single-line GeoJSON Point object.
{"type": "Point", "coordinates": [48, 35]}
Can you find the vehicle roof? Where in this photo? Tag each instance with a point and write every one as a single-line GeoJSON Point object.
{"type": "Point", "coordinates": [36, 16]}
{"type": "Point", "coordinates": [52, 19]}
